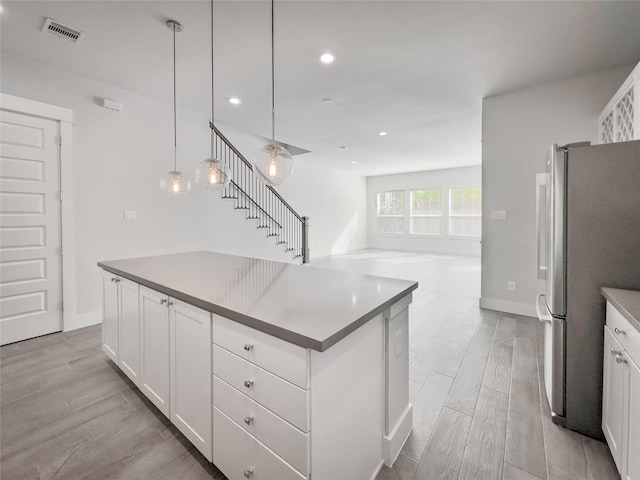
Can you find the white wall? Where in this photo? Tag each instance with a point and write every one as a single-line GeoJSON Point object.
{"type": "Point", "coordinates": [447, 178]}
{"type": "Point", "coordinates": [119, 158]}
{"type": "Point", "coordinates": [518, 129]}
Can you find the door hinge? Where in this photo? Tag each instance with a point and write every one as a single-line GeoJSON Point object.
{"type": "Point", "coordinates": [59, 138]}
{"type": "Point", "coordinates": [62, 306]}
{"type": "Point", "coordinates": [60, 251]}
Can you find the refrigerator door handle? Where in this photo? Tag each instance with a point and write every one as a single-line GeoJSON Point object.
{"type": "Point", "coordinates": [541, 209]}
{"type": "Point", "coordinates": [543, 317]}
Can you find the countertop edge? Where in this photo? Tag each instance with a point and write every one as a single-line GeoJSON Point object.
{"type": "Point", "coordinates": [610, 295]}
{"type": "Point", "coordinates": [268, 328]}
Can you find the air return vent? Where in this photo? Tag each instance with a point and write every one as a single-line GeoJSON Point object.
{"type": "Point", "coordinates": [62, 31]}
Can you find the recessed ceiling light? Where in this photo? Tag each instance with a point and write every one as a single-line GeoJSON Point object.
{"type": "Point", "coordinates": [327, 58]}
{"type": "Point", "coordinates": [342, 147]}
{"type": "Point", "coordinates": [235, 101]}
{"type": "Point", "coordinates": [354, 162]}
{"type": "Point", "coordinates": [382, 134]}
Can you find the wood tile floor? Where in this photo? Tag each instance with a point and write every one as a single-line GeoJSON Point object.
{"type": "Point", "coordinates": [66, 412]}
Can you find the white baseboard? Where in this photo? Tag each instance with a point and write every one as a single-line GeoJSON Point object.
{"type": "Point", "coordinates": [393, 443]}
{"type": "Point", "coordinates": [73, 322]}
{"type": "Point", "coordinates": [509, 307]}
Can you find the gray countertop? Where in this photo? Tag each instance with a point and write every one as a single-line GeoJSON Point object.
{"type": "Point", "coordinates": [627, 302]}
{"type": "Point", "coordinates": [310, 307]}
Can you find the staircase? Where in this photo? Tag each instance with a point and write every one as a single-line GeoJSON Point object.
{"type": "Point", "coordinates": [261, 202]}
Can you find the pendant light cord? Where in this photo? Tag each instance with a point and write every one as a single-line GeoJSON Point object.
{"type": "Point", "coordinates": [273, 82]}
{"type": "Point", "coordinates": [175, 133]}
{"type": "Point", "coordinates": [212, 95]}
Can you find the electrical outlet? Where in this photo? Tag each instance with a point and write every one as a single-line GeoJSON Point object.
{"type": "Point", "coordinates": [511, 286]}
{"type": "Point", "coordinates": [398, 343]}
{"type": "Point", "coordinates": [129, 215]}
{"type": "Point", "coordinates": [498, 215]}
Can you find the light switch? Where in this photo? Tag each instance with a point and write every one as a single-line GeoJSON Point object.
{"type": "Point", "coordinates": [498, 214]}
{"type": "Point", "coordinates": [129, 215]}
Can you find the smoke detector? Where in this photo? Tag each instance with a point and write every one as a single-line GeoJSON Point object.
{"type": "Point", "coordinates": [62, 31]}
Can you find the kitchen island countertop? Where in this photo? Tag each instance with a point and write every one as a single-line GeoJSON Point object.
{"type": "Point", "coordinates": [310, 307]}
{"type": "Point", "coordinates": [627, 302]}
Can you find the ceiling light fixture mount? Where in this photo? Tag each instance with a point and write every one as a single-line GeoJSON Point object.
{"type": "Point", "coordinates": [212, 173]}
{"type": "Point", "coordinates": [273, 162]}
{"type": "Point", "coordinates": [174, 183]}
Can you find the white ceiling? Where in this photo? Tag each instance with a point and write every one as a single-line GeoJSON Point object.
{"type": "Point", "coordinates": [416, 69]}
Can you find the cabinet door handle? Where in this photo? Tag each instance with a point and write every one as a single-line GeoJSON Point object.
{"type": "Point", "coordinates": [163, 301]}
{"type": "Point", "coordinates": [248, 472]}
{"type": "Point", "coordinates": [619, 332]}
{"type": "Point", "coordinates": [248, 420]}
{"type": "Point", "coordinates": [620, 359]}
{"type": "Point", "coordinates": [248, 346]}
{"type": "Point", "coordinates": [113, 279]}
{"type": "Point", "coordinates": [615, 352]}
{"type": "Point", "coordinates": [170, 304]}
{"type": "Point", "coordinates": [248, 383]}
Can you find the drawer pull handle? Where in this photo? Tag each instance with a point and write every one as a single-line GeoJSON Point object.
{"type": "Point", "coordinates": [248, 347]}
{"type": "Point", "coordinates": [619, 332]}
{"type": "Point", "coordinates": [248, 383]}
{"type": "Point", "coordinates": [248, 420]}
{"type": "Point", "coordinates": [248, 472]}
{"type": "Point", "coordinates": [620, 359]}
{"type": "Point", "coordinates": [615, 352]}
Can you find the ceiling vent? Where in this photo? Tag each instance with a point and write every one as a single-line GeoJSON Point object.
{"type": "Point", "coordinates": [62, 31]}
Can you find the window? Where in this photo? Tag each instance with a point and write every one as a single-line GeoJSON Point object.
{"type": "Point", "coordinates": [390, 208]}
{"type": "Point", "coordinates": [465, 211]}
{"type": "Point", "coordinates": [426, 211]}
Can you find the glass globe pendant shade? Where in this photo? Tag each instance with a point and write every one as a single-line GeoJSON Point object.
{"type": "Point", "coordinates": [274, 164]}
{"type": "Point", "coordinates": [175, 185]}
{"type": "Point", "coordinates": [213, 174]}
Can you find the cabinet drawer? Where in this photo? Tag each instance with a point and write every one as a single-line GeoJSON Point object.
{"type": "Point", "coordinates": [277, 356]}
{"type": "Point", "coordinates": [281, 397]}
{"type": "Point", "coordinates": [281, 437]}
{"type": "Point", "coordinates": [236, 453]}
{"type": "Point", "coordinates": [630, 339]}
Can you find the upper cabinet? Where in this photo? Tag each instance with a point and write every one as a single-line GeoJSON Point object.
{"type": "Point", "coordinates": [620, 119]}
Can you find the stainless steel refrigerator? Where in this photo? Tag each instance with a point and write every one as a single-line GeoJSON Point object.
{"type": "Point", "coordinates": [588, 220]}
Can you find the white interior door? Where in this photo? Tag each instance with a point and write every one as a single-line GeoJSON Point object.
{"type": "Point", "coordinates": [30, 240]}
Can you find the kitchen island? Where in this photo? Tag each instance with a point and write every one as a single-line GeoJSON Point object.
{"type": "Point", "coordinates": [271, 370]}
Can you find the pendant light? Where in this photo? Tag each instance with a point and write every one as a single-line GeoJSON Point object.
{"type": "Point", "coordinates": [273, 162]}
{"type": "Point", "coordinates": [212, 173]}
{"type": "Point", "coordinates": [174, 183]}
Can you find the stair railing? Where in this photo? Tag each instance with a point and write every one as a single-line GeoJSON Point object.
{"type": "Point", "coordinates": [262, 202]}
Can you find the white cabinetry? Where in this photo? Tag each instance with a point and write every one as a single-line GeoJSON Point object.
{"type": "Point", "coordinates": [110, 315]}
{"type": "Point", "coordinates": [120, 323]}
{"type": "Point", "coordinates": [286, 412]}
{"type": "Point", "coordinates": [129, 329]}
{"type": "Point", "coordinates": [621, 393]}
{"type": "Point", "coordinates": [154, 370]}
{"type": "Point", "coordinates": [620, 119]}
{"type": "Point", "coordinates": [190, 373]}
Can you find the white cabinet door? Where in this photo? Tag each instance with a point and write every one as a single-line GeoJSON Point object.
{"type": "Point", "coordinates": [633, 422]}
{"type": "Point", "coordinates": [154, 368]}
{"type": "Point", "coordinates": [129, 329]}
{"type": "Point", "coordinates": [191, 375]}
{"type": "Point", "coordinates": [110, 315]}
{"type": "Point", "coordinates": [613, 397]}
